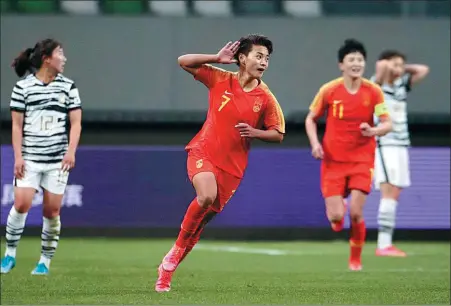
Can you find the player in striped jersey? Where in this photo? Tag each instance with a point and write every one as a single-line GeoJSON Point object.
{"type": "Point", "coordinates": [392, 173]}
{"type": "Point", "coordinates": [42, 106]}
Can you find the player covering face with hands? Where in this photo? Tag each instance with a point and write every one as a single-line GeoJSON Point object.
{"type": "Point", "coordinates": [241, 108]}
{"type": "Point", "coordinates": [347, 150]}
{"type": "Point", "coordinates": [392, 172]}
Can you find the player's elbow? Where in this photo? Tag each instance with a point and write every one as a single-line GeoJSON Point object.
{"type": "Point", "coordinates": [423, 70]}
{"type": "Point", "coordinates": [279, 137]}
{"type": "Point", "coordinates": [182, 61]}
{"type": "Point", "coordinates": [17, 120]}
{"type": "Point", "coordinates": [17, 123]}
{"type": "Point", "coordinates": [309, 121]}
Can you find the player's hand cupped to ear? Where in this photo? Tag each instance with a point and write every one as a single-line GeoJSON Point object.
{"type": "Point", "coordinates": [227, 53]}
{"type": "Point", "coordinates": [246, 130]}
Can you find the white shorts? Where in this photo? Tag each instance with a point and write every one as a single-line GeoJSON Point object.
{"type": "Point", "coordinates": [392, 166]}
{"type": "Point", "coordinates": [48, 176]}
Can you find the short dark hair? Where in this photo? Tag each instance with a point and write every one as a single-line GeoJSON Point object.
{"type": "Point", "coordinates": [350, 46]}
{"type": "Point", "coordinates": [250, 40]}
{"type": "Point", "coordinates": [31, 58]}
{"type": "Point", "coordinates": [390, 54]}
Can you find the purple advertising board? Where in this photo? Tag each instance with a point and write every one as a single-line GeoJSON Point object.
{"type": "Point", "coordinates": [149, 187]}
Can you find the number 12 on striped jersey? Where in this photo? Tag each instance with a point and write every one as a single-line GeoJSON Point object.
{"type": "Point", "coordinates": [47, 122]}
{"type": "Point", "coordinates": [340, 110]}
{"type": "Point", "coordinates": [224, 102]}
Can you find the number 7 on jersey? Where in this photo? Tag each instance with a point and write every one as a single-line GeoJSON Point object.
{"type": "Point", "coordinates": [224, 102]}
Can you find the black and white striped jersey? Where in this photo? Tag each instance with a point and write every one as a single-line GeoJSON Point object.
{"type": "Point", "coordinates": [396, 101]}
{"type": "Point", "coordinates": [46, 110]}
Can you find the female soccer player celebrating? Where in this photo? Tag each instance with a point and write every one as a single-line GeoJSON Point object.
{"type": "Point", "coordinates": [41, 104]}
{"type": "Point", "coordinates": [349, 144]}
{"type": "Point", "coordinates": [241, 108]}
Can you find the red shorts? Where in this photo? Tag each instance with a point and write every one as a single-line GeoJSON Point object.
{"type": "Point", "coordinates": [339, 178]}
{"type": "Point", "coordinates": [227, 183]}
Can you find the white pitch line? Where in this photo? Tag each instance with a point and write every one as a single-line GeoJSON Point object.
{"type": "Point", "coordinates": [241, 250]}
{"type": "Point", "coordinates": [276, 252]}
{"type": "Point", "coordinates": [271, 252]}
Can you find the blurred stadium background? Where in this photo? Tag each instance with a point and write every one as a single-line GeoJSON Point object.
{"type": "Point", "coordinates": [140, 109]}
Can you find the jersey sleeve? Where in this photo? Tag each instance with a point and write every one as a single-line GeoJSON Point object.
{"type": "Point", "coordinates": [273, 117]}
{"type": "Point", "coordinates": [17, 103]}
{"type": "Point", "coordinates": [74, 98]}
{"type": "Point", "coordinates": [380, 108]}
{"type": "Point", "coordinates": [210, 75]}
{"type": "Point", "coordinates": [319, 103]}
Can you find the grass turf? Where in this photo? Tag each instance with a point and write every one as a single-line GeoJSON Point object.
{"type": "Point", "coordinates": [120, 271]}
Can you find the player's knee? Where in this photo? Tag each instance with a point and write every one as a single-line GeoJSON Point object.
{"type": "Point", "coordinates": [51, 212]}
{"type": "Point", "coordinates": [356, 216]}
{"type": "Point", "coordinates": [390, 191]}
{"type": "Point", "coordinates": [336, 216]}
{"type": "Point", "coordinates": [23, 201]}
{"type": "Point", "coordinates": [22, 207]}
{"type": "Point", "coordinates": [206, 200]}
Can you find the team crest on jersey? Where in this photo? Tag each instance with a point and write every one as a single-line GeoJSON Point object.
{"type": "Point", "coordinates": [257, 105]}
{"type": "Point", "coordinates": [199, 163]}
{"type": "Point", "coordinates": [366, 99]}
{"type": "Point", "coordinates": [62, 98]}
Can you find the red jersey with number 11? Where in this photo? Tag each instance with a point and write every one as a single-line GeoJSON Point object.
{"type": "Point", "coordinates": [229, 104]}
{"type": "Point", "coordinates": [343, 140]}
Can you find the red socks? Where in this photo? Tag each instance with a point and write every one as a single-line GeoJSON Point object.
{"type": "Point", "coordinates": [193, 217]}
{"type": "Point", "coordinates": [191, 244]}
{"type": "Point", "coordinates": [196, 236]}
{"type": "Point", "coordinates": [358, 235]}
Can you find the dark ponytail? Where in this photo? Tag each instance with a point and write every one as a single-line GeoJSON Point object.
{"type": "Point", "coordinates": [32, 58]}
{"type": "Point", "coordinates": [22, 63]}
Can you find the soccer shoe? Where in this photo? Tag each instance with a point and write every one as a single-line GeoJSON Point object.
{"type": "Point", "coordinates": [355, 265]}
{"type": "Point", "coordinates": [172, 258]}
{"type": "Point", "coordinates": [8, 263]}
{"type": "Point", "coordinates": [163, 283]}
{"type": "Point", "coordinates": [390, 251]}
{"type": "Point", "coordinates": [41, 269]}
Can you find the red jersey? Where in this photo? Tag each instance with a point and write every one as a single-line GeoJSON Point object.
{"type": "Point", "coordinates": [343, 140]}
{"type": "Point", "coordinates": [229, 105]}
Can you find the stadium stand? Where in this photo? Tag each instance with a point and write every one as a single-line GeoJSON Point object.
{"type": "Point", "coordinates": [39, 7]}
{"type": "Point", "coordinates": [86, 7]}
{"type": "Point", "coordinates": [169, 8]}
{"type": "Point", "coordinates": [224, 8]}
{"type": "Point", "coordinates": [212, 8]}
